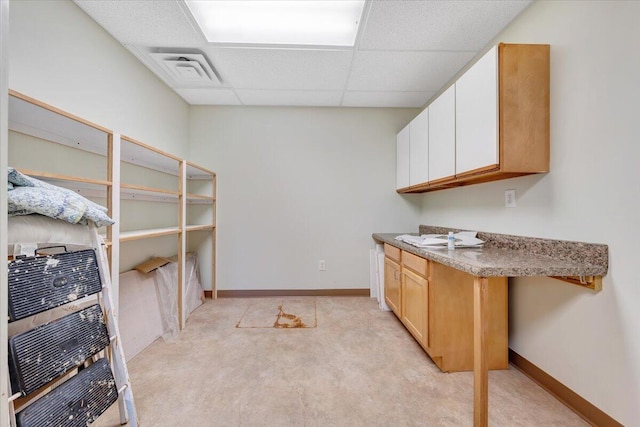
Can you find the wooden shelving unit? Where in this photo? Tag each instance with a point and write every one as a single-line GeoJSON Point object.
{"type": "Point", "coordinates": [200, 191]}
{"type": "Point", "coordinates": [127, 236]}
{"type": "Point", "coordinates": [122, 173]}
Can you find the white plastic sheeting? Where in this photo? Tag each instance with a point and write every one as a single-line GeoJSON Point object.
{"type": "Point", "coordinates": [166, 281]}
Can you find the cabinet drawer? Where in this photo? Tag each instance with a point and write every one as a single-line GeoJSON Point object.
{"type": "Point", "coordinates": [415, 263]}
{"type": "Point", "coordinates": [392, 252]}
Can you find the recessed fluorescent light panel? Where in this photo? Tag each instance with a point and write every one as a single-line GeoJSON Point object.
{"type": "Point", "coordinates": [292, 22]}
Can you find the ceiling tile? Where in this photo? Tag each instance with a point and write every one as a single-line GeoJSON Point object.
{"type": "Point", "coordinates": [143, 22]}
{"type": "Point", "coordinates": [386, 99]}
{"type": "Point", "coordinates": [296, 69]}
{"type": "Point", "coordinates": [405, 71]}
{"type": "Point", "coordinates": [436, 25]}
{"type": "Point", "coordinates": [407, 50]}
{"type": "Point", "coordinates": [290, 97]}
{"type": "Point", "coordinates": [209, 96]}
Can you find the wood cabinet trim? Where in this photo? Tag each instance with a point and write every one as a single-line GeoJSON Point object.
{"type": "Point", "coordinates": [444, 180]}
{"type": "Point", "coordinates": [57, 111]}
{"type": "Point", "coordinates": [479, 171]}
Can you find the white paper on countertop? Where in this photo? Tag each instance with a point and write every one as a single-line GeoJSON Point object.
{"type": "Point", "coordinates": [463, 239]}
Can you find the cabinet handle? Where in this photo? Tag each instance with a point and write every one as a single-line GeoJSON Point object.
{"type": "Point", "coordinates": [396, 276]}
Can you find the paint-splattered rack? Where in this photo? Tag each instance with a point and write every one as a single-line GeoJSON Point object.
{"type": "Point", "coordinates": [62, 322]}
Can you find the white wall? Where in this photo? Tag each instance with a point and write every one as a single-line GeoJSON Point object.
{"type": "Point", "coordinates": [60, 56]}
{"type": "Point", "coordinates": [296, 185]}
{"type": "Point", "coordinates": [589, 341]}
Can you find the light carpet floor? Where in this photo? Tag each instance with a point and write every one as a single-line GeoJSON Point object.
{"type": "Point", "coordinates": [356, 366]}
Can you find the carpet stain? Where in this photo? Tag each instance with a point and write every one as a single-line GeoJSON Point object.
{"type": "Point", "coordinates": [287, 314]}
{"type": "Point", "coordinates": [290, 320]}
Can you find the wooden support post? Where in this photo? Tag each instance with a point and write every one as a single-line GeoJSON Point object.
{"type": "Point", "coordinates": [480, 352]}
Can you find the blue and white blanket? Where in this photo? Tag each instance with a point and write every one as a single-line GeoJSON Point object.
{"type": "Point", "coordinates": [27, 195]}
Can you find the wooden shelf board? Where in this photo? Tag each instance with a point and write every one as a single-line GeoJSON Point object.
{"type": "Point", "coordinates": [196, 172]}
{"type": "Point", "coordinates": [31, 117]}
{"type": "Point", "coordinates": [28, 100]}
{"type": "Point", "coordinates": [140, 189]}
{"type": "Point", "coordinates": [141, 154]}
{"type": "Point", "coordinates": [198, 199]}
{"type": "Point", "coordinates": [59, 177]}
{"type": "Point", "coordinates": [84, 187]}
{"type": "Point", "coordinates": [127, 236]}
{"type": "Point", "coordinates": [200, 227]}
{"type": "Point", "coordinates": [199, 196]}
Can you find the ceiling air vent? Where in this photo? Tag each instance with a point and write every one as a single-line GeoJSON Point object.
{"type": "Point", "coordinates": [190, 69]}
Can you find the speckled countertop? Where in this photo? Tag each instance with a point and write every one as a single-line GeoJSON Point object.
{"type": "Point", "coordinates": [513, 256]}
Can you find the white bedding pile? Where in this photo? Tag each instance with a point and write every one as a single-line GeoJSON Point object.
{"type": "Point", "coordinates": [27, 195]}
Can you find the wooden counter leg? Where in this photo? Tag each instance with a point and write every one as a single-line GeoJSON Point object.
{"type": "Point", "coordinates": [480, 352]}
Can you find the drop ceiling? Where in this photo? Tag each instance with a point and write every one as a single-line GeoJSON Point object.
{"type": "Point", "coordinates": [405, 52]}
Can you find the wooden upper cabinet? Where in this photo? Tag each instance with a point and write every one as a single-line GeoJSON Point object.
{"type": "Point", "coordinates": [442, 136]}
{"type": "Point", "coordinates": [402, 158]}
{"type": "Point", "coordinates": [502, 113]}
{"type": "Point", "coordinates": [501, 120]}
{"type": "Point", "coordinates": [419, 149]}
{"type": "Point", "coordinates": [523, 88]}
{"type": "Point", "coordinates": [476, 106]}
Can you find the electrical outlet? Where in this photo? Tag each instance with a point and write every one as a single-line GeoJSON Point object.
{"type": "Point", "coordinates": [321, 265]}
{"type": "Point", "coordinates": [509, 198]}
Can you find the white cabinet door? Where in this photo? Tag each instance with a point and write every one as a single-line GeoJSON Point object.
{"type": "Point", "coordinates": [442, 135]}
{"type": "Point", "coordinates": [402, 157]}
{"type": "Point", "coordinates": [477, 115]}
{"type": "Point", "coordinates": [419, 151]}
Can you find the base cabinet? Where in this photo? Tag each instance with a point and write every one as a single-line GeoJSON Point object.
{"type": "Point", "coordinates": [452, 320]}
{"type": "Point", "coordinates": [392, 285]}
{"type": "Point", "coordinates": [415, 303]}
{"type": "Point", "coordinates": [392, 279]}
{"type": "Point", "coordinates": [435, 304]}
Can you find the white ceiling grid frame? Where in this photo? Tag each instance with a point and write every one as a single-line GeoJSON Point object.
{"type": "Point", "coordinates": [389, 99]}
{"type": "Point", "coordinates": [400, 63]}
{"type": "Point", "coordinates": [282, 68]}
{"type": "Point", "coordinates": [201, 96]}
{"type": "Point", "coordinates": [280, 22]}
{"type": "Point", "coordinates": [299, 98]}
{"type": "Point", "coordinates": [155, 23]}
{"type": "Point", "coordinates": [392, 76]}
{"type": "Point", "coordinates": [356, 44]}
{"type": "Point", "coordinates": [462, 25]}
{"type": "Point", "coordinates": [397, 61]}
{"type": "Point", "coordinates": [405, 71]}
